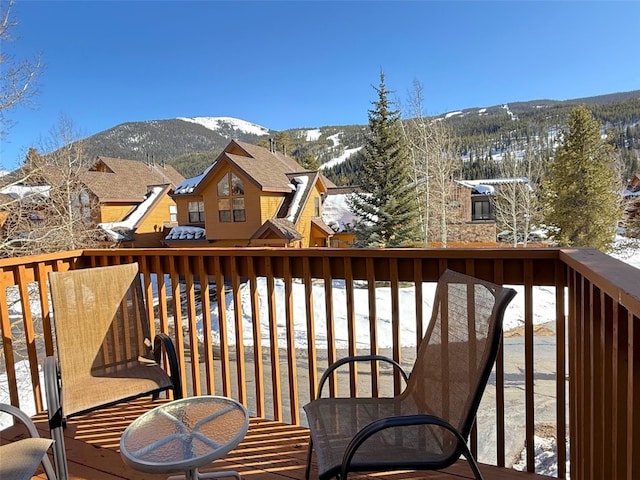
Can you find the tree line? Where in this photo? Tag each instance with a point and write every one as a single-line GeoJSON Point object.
{"type": "Point", "coordinates": [407, 171]}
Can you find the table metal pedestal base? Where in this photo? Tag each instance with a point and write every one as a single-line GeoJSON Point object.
{"type": "Point", "coordinates": [195, 475]}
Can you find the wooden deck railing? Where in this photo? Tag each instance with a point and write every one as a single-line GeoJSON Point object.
{"type": "Point", "coordinates": [269, 359]}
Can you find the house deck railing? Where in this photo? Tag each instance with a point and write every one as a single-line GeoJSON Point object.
{"type": "Point", "coordinates": [291, 312]}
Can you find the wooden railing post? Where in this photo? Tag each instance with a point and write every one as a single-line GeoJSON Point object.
{"type": "Point", "coordinates": [603, 336]}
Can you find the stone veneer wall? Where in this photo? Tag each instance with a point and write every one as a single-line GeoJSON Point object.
{"type": "Point", "coordinates": [471, 232]}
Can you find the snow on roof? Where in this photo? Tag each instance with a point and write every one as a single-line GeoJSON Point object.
{"type": "Point", "coordinates": [487, 183]}
{"type": "Point", "coordinates": [190, 184]}
{"type": "Point", "coordinates": [493, 181]}
{"type": "Point", "coordinates": [21, 191]}
{"type": "Point", "coordinates": [134, 217]}
{"type": "Point", "coordinates": [336, 212]}
{"type": "Point", "coordinates": [485, 189]}
{"type": "Point", "coordinates": [301, 187]}
{"type": "Point", "coordinates": [186, 233]}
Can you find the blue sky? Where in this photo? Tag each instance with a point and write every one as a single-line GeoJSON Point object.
{"type": "Point", "coordinates": [308, 64]}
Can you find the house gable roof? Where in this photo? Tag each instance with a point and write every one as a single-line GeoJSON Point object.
{"type": "Point", "coordinates": [119, 180]}
{"type": "Point", "coordinates": [124, 229]}
{"type": "Point", "coordinates": [269, 177]}
{"type": "Point", "coordinates": [281, 227]}
{"type": "Point", "coordinates": [266, 169]}
{"type": "Point", "coordinates": [323, 227]}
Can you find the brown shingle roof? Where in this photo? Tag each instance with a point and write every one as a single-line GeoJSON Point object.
{"type": "Point", "coordinates": [283, 228]}
{"type": "Point", "coordinates": [273, 158]}
{"type": "Point", "coordinates": [127, 180]}
{"type": "Point", "coordinates": [269, 175]}
{"type": "Point", "coordinates": [318, 222]}
{"type": "Point", "coordinates": [267, 169]}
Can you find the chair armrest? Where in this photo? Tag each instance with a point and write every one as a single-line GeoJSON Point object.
{"type": "Point", "coordinates": [23, 417]}
{"type": "Point", "coordinates": [358, 358]}
{"type": "Point", "coordinates": [163, 341]}
{"type": "Point", "coordinates": [404, 421]}
{"type": "Point", "coordinates": [33, 432]}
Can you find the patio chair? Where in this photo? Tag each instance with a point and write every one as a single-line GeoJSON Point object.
{"type": "Point", "coordinates": [104, 351]}
{"type": "Point", "coordinates": [426, 426]}
{"type": "Point", "coordinates": [19, 460]}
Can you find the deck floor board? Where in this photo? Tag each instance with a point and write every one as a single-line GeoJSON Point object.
{"type": "Point", "coordinates": [270, 451]}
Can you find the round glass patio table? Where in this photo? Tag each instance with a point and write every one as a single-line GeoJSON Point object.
{"type": "Point", "coordinates": [185, 434]}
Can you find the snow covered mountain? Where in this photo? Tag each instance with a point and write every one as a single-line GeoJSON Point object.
{"type": "Point", "coordinates": [162, 140]}
{"type": "Point", "coordinates": [228, 126]}
{"type": "Point", "coordinates": [483, 133]}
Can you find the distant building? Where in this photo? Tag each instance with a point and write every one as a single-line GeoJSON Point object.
{"type": "Point", "coordinates": [477, 218]}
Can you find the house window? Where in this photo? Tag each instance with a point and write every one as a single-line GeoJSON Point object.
{"type": "Point", "coordinates": [231, 206]}
{"type": "Point", "coordinates": [316, 207]}
{"type": "Point", "coordinates": [224, 210]}
{"type": "Point", "coordinates": [237, 186]}
{"type": "Point", "coordinates": [238, 210]}
{"type": "Point", "coordinates": [223, 186]}
{"type": "Point", "coordinates": [196, 212]}
{"type": "Point", "coordinates": [173, 213]}
{"type": "Point", "coordinates": [481, 210]}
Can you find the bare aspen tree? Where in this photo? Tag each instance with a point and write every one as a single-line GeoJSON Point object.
{"type": "Point", "coordinates": [434, 163]}
{"type": "Point", "coordinates": [51, 210]}
{"type": "Point", "coordinates": [17, 77]}
{"type": "Point", "coordinates": [516, 204]}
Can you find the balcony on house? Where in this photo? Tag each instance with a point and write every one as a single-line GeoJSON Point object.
{"type": "Point", "coordinates": [291, 312]}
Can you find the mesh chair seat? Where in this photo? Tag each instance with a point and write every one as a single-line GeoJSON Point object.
{"type": "Point", "coordinates": [20, 460]}
{"type": "Point", "coordinates": [402, 447]}
{"type": "Point", "coordinates": [426, 426]}
{"type": "Point", "coordinates": [133, 382]}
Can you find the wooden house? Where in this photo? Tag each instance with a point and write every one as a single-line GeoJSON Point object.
{"type": "Point", "coordinates": [252, 196]}
{"type": "Point", "coordinates": [134, 205]}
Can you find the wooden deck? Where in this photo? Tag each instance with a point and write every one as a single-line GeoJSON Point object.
{"type": "Point", "coordinates": [270, 451]}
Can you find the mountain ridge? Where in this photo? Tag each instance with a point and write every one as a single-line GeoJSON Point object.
{"type": "Point", "coordinates": [192, 143]}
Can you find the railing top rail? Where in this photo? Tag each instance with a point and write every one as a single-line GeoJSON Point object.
{"type": "Point", "coordinates": [519, 253]}
{"type": "Point", "coordinates": [616, 278]}
{"type": "Point", "coordinates": [45, 257]}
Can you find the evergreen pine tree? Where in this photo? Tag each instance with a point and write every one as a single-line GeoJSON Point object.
{"type": "Point", "coordinates": [309, 162]}
{"type": "Point", "coordinates": [386, 205]}
{"type": "Point", "coordinates": [583, 186]}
